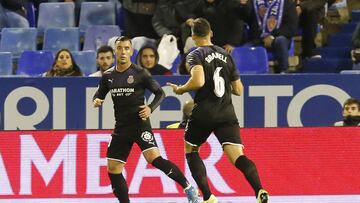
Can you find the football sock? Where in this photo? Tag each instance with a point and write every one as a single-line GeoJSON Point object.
{"type": "Point", "coordinates": [119, 187]}
{"type": "Point", "coordinates": [198, 172]}
{"type": "Point", "coordinates": [170, 170]}
{"type": "Point", "coordinates": [248, 168]}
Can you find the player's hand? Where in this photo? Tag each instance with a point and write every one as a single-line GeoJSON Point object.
{"type": "Point", "coordinates": [228, 48]}
{"type": "Point", "coordinates": [98, 102]}
{"type": "Point", "coordinates": [145, 112]}
{"type": "Point", "coordinates": [268, 40]}
{"type": "Point", "coordinates": [176, 88]}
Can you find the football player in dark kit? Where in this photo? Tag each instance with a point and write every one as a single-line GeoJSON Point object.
{"type": "Point", "coordinates": [215, 78]}
{"type": "Point", "coordinates": [126, 83]}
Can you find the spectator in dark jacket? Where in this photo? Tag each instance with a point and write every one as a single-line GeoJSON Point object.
{"type": "Point", "coordinates": [137, 18]}
{"type": "Point", "coordinates": [226, 25]}
{"type": "Point", "coordinates": [170, 16]}
{"type": "Point", "coordinates": [273, 30]}
{"type": "Point", "coordinates": [309, 13]}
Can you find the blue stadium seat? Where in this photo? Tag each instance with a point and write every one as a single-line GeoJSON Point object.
{"type": "Point", "coordinates": [96, 36]}
{"type": "Point", "coordinates": [96, 13]}
{"type": "Point", "coordinates": [335, 52]}
{"type": "Point", "coordinates": [56, 15]}
{"type": "Point", "coordinates": [17, 40]}
{"type": "Point", "coordinates": [5, 63]}
{"type": "Point", "coordinates": [86, 60]}
{"type": "Point", "coordinates": [176, 63]}
{"type": "Point", "coordinates": [34, 63]}
{"type": "Point", "coordinates": [251, 60]}
{"type": "Point", "coordinates": [340, 40]}
{"type": "Point", "coordinates": [58, 38]}
{"type": "Point", "coordinates": [326, 65]}
{"type": "Point", "coordinates": [348, 27]}
{"type": "Point", "coordinates": [355, 16]}
{"type": "Point", "coordinates": [134, 56]}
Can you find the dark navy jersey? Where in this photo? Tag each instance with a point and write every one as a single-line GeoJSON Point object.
{"type": "Point", "coordinates": [127, 90]}
{"type": "Point", "coordinates": [213, 100]}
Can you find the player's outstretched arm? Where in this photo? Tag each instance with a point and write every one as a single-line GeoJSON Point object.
{"type": "Point", "coordinates": [196, 81]}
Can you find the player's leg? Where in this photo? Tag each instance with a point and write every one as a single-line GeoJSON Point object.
{"type": "Point", "coordinates": [116, 160]}
{"type": "Point", "coordinates": [229, 137]}
{"type": "Point", "coordinates": [148, 145]}
{"type": "Point", "coordinates": [195, 135]}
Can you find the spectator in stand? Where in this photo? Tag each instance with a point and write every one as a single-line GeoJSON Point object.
{"type": "Point", "coordinates": [309, 13]}
{"type": "Point", "coordinates": [272, 25]}
{"type": "Point", "coordinates": [148, 58]}
{"type": "Point", "coordinates": [64, 65]}
{"type": "Point", "coordinates": [226, 24]}
{"type": "Point", "coordinates": [350, 113]}
{"type": "Point", "coordinates": [137, 17]}
{"type": "Point", "coordinates": [169, 19]}
{"type": "Point", "coordinates": [13, 14]}
{"type": "Point", "coordinates": [355, 52]}
{"type": "Point", "coordinates": [104, 60]}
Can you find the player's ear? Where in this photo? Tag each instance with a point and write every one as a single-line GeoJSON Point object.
{"type": "Point", "coordinates": [211, 33]}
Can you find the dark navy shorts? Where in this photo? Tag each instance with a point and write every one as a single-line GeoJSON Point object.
{"type": "Point", "coordinates": [196, 133]}
{"type": "Point", "coordinates": [123, 139]}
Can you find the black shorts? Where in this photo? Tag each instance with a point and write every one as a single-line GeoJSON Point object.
{"type": "Point", "coordinates": [123, 139]}
{"type": "Point", "coordinates": [196, 133]}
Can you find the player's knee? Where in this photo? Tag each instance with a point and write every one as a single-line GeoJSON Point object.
{"type": "Point", "coordinates": [114, 167]}
{"type": "Point", "coordinates": [191, 148]}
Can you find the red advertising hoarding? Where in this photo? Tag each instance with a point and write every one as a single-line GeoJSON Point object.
{"type": "Point", "coordinates": [61, 165]}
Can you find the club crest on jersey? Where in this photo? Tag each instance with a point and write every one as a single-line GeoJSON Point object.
{"type": "Point", "coordinates": [147, 137]}
{"type": "Point", "coordinates": [130, 79]}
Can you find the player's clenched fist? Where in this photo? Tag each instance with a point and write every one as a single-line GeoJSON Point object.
{"type": "Point", "coordinates": [98, 102]}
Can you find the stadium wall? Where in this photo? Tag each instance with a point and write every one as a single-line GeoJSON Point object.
{"type": "Point", "coordinates": [268, 101]}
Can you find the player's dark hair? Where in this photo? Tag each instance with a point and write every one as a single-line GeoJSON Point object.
{"type": "Point", "coordinates": [123, 39]}
{"type": "Point", "coordinates": [201, 27]}
{"type": "Point", "coordinates": [104, 49]}
{"type": "Point", "coordinates": [351, 101]}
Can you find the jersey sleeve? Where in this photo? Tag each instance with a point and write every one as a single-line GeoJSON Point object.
{"type": "Point", "coordinates": [235, 75]}
{"type": "Point", "coordinates": [155, 88]}
{"type": "Point", "coordinates": [103, 88]}
{"type": "Point", "coordinates": [193, 59]}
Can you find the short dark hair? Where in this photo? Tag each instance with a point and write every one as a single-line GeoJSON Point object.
{"type": "Point", "coordinates": [104, 49]}
{"type": "Point", "coordinates": [123, 39]}
{"type": "Point", "coordinates": [201, 27]}
{"type": "Point", "coordinates": [351, 101]}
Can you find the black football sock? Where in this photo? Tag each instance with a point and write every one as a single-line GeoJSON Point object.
{"type": "Point", "coordinates": [248, 168]}
{"type": "Point", "coordinates": [198, 172]}
{"type": "Point", "coordinates": [170, 170]}
{"type": "Point", "coordinates": [119, 187]}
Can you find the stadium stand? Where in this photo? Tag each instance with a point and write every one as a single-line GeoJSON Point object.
{"type": "Point", "coordinates": [62, 15]}
{"type": "Point", "coordinates": [58, 38]}
{"type": "Point", "coordinates": [5, 63]}
{"type": "Point", "coordinates": [86, 60]}
{"type": "Point", "coordinates": [96, 36]}
{"type": "Point", "coordinates": [251, 60]}
{"type": "Point", "coordinates": [96, 13]}
{"type": "Point", "coordinates": [17, 40]}
{"type": "Point", "coordinates": [34, 63]}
